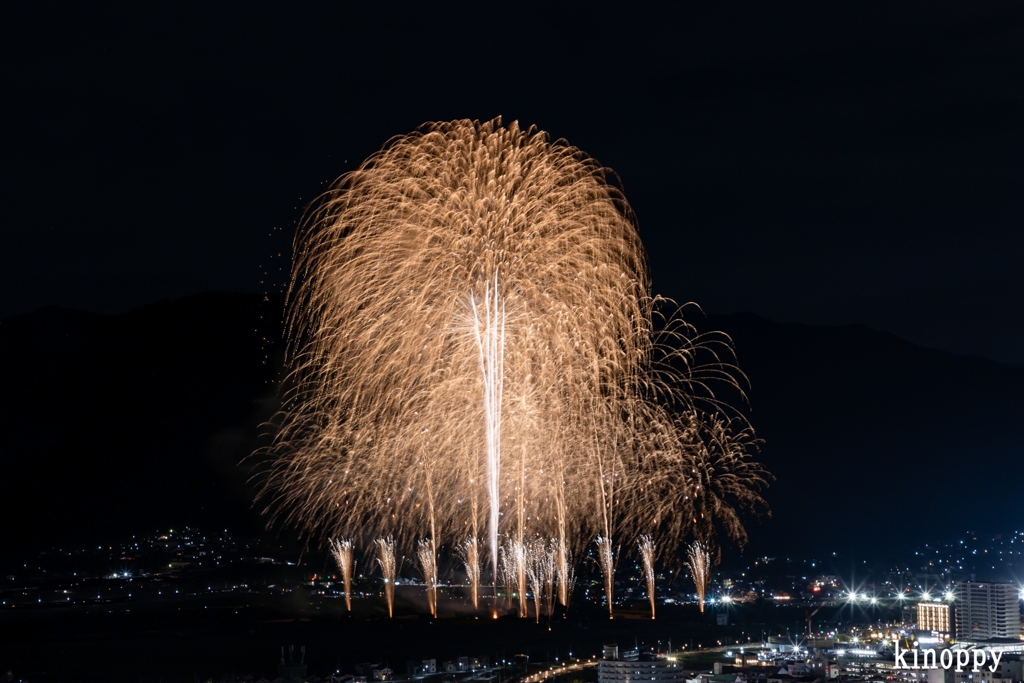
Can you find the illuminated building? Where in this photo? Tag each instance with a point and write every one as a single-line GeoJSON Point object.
{"type": "Point", "coordinates": [1008, 669]}
{"type": "Point", "coordinates": [934, 616]}
{"type": "Point", "coordinates": [986, 610]}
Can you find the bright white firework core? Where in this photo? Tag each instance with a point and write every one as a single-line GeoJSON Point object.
{"type": "Point", "coordinates": [490, 340]}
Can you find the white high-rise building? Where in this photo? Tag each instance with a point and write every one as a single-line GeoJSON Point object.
{"type": "Point", "coordinates": [635, 667]}
{"type": "Point", "coordinates": [986, 610]}
{"type": "Point", "coordinates": [642, 671]}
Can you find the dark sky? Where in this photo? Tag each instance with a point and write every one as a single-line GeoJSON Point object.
{"type": "Point", "coordinates": [821, 163]}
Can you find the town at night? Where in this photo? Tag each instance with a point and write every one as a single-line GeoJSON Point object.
{"type": "Point", "coordinates": [555, 344]}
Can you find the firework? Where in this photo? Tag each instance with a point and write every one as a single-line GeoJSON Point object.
{"type": "Point", "coordinates": [606, 558]}
{"type": "Point", "coordinates": [474, 353]}
{"type": "Point", "coordinates": [539, 569]}
{"type": "Point", "coordinates": [469, 550]}
{"type": "Point", "coordinates": [545, 560]}
{"type": "Point", "coordinates": [509, 570]}
{"type": "Point", "coordinates": [389, 568]}
{"type": "Point", "coordinates": [646, 547]}
{"type": "Point", "coordinates": [565, 575]}
{"type": "Point", "coordinates": [428, 565]}
{"type": "Point", "coordinates": [698, 561]}
{"type": "Point", "coordinates": [342, 552]}
{"type": "Point", "coordinates": [489, 330]}
{"type": "Point", "coordinates": [515, 564]}
{"type": "Point", "coordinates": [703, 488]}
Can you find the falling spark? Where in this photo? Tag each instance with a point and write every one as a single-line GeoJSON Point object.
{"type": "Point", "coordinates": [508, 569]}
{"type": "Point", "coordinates": [388, 567]}
{"type": "Point", "coordinates": [565, 575]}
{"type": "Point", "coordinates": [428, 565]}
{"type": "Point", "coordinates": [647, 547]}
{"type": "Point", "coordinates": [469, 551]}
{"type": "Point", "coordinates": [544, 558]}
{"type": "Point", "coordinates": [342, 552]}
{"type": "Point", "coordinates": [514, 568]}
{"type": "Point", "coordinates": [606, 558]}
{"type": "Point", "coordinates": [538, 571]}
{"type": "Point", "coordinates": [699, 563]}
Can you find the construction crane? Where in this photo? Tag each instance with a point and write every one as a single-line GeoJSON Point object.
{"type": "Point", "coordinates": [810, 615]}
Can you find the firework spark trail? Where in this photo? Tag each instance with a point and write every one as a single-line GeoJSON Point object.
{"type": "Point", "coordinates": [522, 552]}
{"type": "Point", "coordinates": [491, 345]}
{"type": "Point", "coordinates": [469, 551]}
{"type": "Point", "coordinates": [606, 558]}
{"type": "Point", "coordinates": [509, 570]}
{"type": "Point", "coordinates": [537, 569]}
{"type": "Point", "coordinates": [565, 575]}
{"type": "Point", "coordinates": [515, 568]}
{"type": "Point", "coordinates": [342, 552]}
{"type": "Point", "coordinates": [475, 290]}
{"type": "Point", "coordinates": [389, 568]}
{"type": "Point", "coordinates": [547, 559]}
{"type": "Point", "coordinates": [428, 565]}
{"type": "Point", "coordinates": [646, 547]}
{"type": "Point", "coordinates": [563, 571]}
{"type": "Point", "coordinates": [699, 563]}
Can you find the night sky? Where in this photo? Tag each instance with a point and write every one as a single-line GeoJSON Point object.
{"type": "Point", "coordinates": [817, 163]}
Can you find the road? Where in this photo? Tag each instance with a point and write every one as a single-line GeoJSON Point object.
{"type": "Point", "coordinates": [562, 669]}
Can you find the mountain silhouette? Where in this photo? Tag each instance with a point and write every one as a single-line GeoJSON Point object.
{"type": "Point", "coordinates": [877, 444]}
{"type": "Point", "coordinates": [113, 424]}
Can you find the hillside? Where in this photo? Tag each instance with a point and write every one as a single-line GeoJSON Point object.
{"type": "Point", "coordinates": [114, 423]}
{"type": "Point", "coordinates": [877, 443]}
{"type": "Point", "coordinates": [125, 422]}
